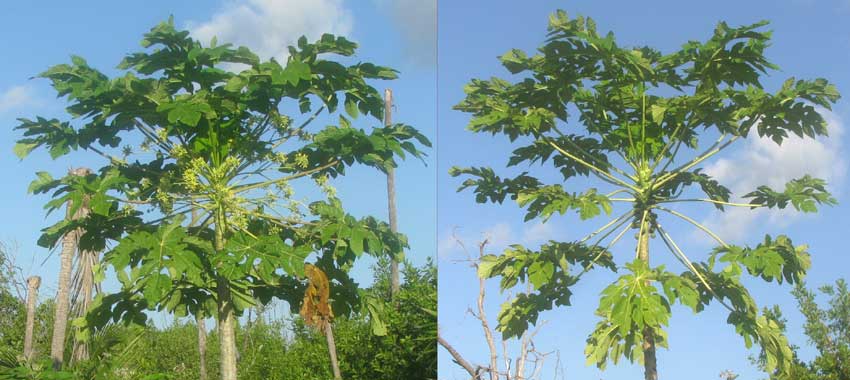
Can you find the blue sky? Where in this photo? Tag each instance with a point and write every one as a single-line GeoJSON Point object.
{"type": "Point", "coordinates": [811, 39]}
{"type": "Point", "coordinates": [39, 34]}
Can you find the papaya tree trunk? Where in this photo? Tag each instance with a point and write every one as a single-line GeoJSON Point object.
{"type": "Point", "coordinates": [33, 284]}
{"type": "Point", "coordinates": [329, 335]}
{"type": "Point", "coordinates": [226, 317]}
{"type": "Point", "coordinates": [226, 331]}
{"type": "Point", "coordinates": [394, 280]}
{"type": "Point", "coordinates": [202, 345]}
{"type": "Point", "coordinates": [66, 257]}
{"type": "Point", "coordinates": [650, 369]}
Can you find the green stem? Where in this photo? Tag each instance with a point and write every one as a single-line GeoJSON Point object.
{"type": "Point", "coordinates": [643, 123]}
{"type": "Point", "coordinates": [256, 185]}
{"type": "Point", "coordinates": [607, 248]}
{"type": "Point", "coordinates": [586, 153]}
{"type": "Point", "coordinates": [712, 151]}
{"type": "Point", "coordinates": [615, 192]}
{"type": "Point", "coordinates": [605, 227]}
{"type": "Point", "coordinates": [592, 167]}
{"type": "Point", "coordinates": [595, 245]}
{"type": "Point", "coordinates": [632, 200]}
{"type": "Point", "coordinates": [680, 255]}
{"type": "Point", "coordinates": [695, 223]}
{"type": "Point", "coordinates": [750, 205]}
{"type": "Point", "coordinates": [666, 147]}
{"type": "Point", "coordinates": [640, 249]}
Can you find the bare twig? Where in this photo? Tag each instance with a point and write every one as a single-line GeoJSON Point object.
{"type": "Point", "coordinates": [457, 356]}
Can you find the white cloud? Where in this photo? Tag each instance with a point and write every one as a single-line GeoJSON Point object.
{"type": "Point", "coordinates": [498, 236]}
{"type": "Point", "coordinates": [15, 97]}
{"type": "Point", "coordinates": [268, 27]}
{"type": "Point", "coordinates": [763, 162]}
{"type": "Point", "coordinates": [416, 20]}
{"type": "Point", "coordinates": [538, 232]}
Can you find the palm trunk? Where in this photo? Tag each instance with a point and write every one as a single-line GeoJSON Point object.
{"type": "Point", "coordinates": [650, 369]}
{"type": "Point", "coordinates": [32, 298]}
{"type": "Point", "coordinates": [394, 279]}
{"type": "Point", "coordinates": [329, 335]}
{"type": "Point", "coordinates": [60, 316]}
{"type": "Point", "coordinates": [66, 257]}
{"type": "Point", "coordinates": [202, 345]}
{"type": "Point", "coordinates": [82, 299]}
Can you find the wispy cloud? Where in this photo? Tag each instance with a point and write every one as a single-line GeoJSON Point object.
{"type": "Point", "coordinates": [538, 232]}
{"type": "Point", "coordinates": [763, 162]}
{"type": "Point", "coordinates": [499, 236]}
{"type": "Point", "coordinates": [16, 97]}
{"type": "Point", "coordinates": [452, 243]}
{"type": "Point", "coordinates": [268, 26]}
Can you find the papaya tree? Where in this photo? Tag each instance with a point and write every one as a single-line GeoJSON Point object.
{"type": "Point", "coordinates": [215, 188]}
{"type": "Point", "coordinates": [641, 124]}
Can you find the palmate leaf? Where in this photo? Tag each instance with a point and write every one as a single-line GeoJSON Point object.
{"type": "Point", "coordinates": [375, 308]}
{"type": "Point", "coordinates": [265, 254]}
{"type": "Point", "coordinates": [547, 270]}
{"type": "Point", "coordinates": [709, 186]}
{"type": "Point", "coordinates": [346, 238]}
{"type": "Point", "coordinates": [348, 146]}
{"type": "Point", "coordinates": [744, 316]}
{"type": "Point", "coordinates": [633, 303]}
{"type": "Point", "coordinates": [166, 267]}
{"type": "Point", "coordinates": [539, 200]}
{"type": "Point", "coordinates": [804, 194]}
{"type": "Point", "coordinates": [500, 107]}
{"type": "Point", "coordinates": [547, 200]}
{"type": "Point", "coordinates": [627, 307]}
{"type": "Point", "coordinates": [59, 137]}
{"type": "Point", "coordinates": [606, 344]}
{"type": "Point", "coordinates": [489, 187]}
{"type": "Point", "coordinates": [773, 259]}
{"type": "Point", "coordinates": [589, 149]}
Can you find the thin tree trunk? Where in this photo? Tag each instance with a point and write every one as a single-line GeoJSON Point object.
{"type": "Point", "coordinates": [33, 284]}
{"type": "Point", "coordinates": [329, 335]}
{"type": "Point", "coordinates": [226, 332]}
{"type": "Point", "coordinates": [650, 369]}
{"type": "Point", "coordinates": [226, 318]}
{"type": "Point", "coordinates": [202, 345]}
{"type": "Point", "coordinates": [523, 356]}
{"type": "Point", "coordinates": [81, 299]}
{"type": "Point", "coordinates": [394, 280]}
{"type": "Point", "coordinates": [66, 257]}
{"type": "Point", "coordinates": [482, 316]}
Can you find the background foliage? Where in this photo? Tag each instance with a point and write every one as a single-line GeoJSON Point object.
{"type": "Point", "coordinates": [269, 348]}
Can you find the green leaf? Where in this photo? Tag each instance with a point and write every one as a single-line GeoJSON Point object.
{"type": "Point", "coordinates": [22, 150]}
{"type": "Point", "coordinates": [351, 107]}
